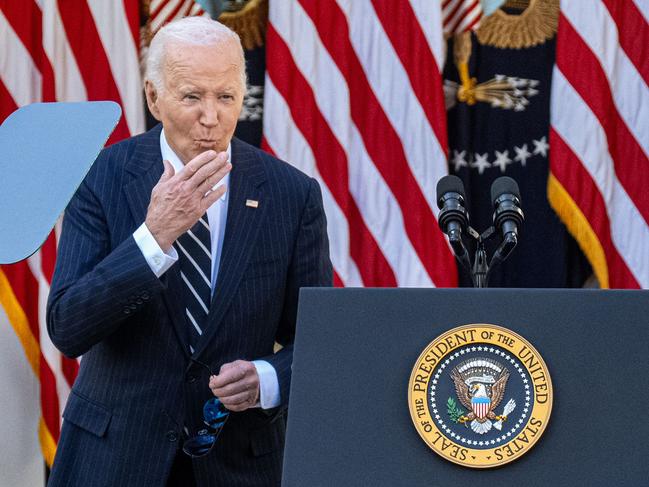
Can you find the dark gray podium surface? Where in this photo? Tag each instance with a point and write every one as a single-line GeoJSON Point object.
{"type": "Point", "coordinates": [349, 422]}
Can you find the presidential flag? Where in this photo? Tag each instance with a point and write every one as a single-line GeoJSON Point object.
{"type": "Point", "coordinates": [498, 123]}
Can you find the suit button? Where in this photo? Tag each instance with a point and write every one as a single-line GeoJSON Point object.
{"type": "Point", "coordinates": [139, 301]}
{"type": "Point", "coordinates": [127, 311]}
{"type": "Point", "coordinates": [172, 435]}
{"type": "Point", "coordinates": [191, 379]}
{"type": "Point", "coordinates": [145, 295]}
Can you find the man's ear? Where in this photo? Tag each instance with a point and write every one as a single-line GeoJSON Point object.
{"type": "Point", "coordinates": [152, 99]}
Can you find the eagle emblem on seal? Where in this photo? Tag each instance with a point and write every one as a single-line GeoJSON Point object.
{"type": "Point", "coordinates": [480, 386]}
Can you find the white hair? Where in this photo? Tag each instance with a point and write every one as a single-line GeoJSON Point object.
{"type": "Point", "coordinates": [200, 31]}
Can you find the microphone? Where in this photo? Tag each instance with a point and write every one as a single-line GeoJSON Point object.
{"type": "Point", "coordinates": [453, 218]}
{"type": "Point", "coordinates": [508, 216]}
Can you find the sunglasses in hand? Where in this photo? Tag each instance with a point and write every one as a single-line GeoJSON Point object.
{"type": "Point", "coordinates": [214, 416]}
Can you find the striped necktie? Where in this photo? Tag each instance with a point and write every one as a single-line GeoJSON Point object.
{"type": "Point", "coordinates": [195, 259]}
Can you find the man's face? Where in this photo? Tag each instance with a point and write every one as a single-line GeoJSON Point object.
{"type": "Point", "coordinates": [202, 97]}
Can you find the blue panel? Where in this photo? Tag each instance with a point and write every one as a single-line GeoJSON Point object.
{"type": "Point", "coordinates": [46, 149]}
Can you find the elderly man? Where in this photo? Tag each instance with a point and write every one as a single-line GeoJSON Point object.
{"type": "Point", "coordinates": [179, 267]}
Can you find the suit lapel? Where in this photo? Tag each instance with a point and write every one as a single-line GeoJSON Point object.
{"type": "Point", "coordinates": [242, 226]}
{"type": "Point", "coordinates": [145, 167]}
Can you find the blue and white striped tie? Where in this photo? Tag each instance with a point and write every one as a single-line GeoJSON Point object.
{"type": "Point", "coordinates": [195, 259]}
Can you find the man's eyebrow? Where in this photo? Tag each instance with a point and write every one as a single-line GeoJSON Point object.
{"type": "Point", "coordinates": [188, 88]}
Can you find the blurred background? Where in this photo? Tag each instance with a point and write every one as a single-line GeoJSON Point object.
{"type": "Point", "coordinates": [376, 99]}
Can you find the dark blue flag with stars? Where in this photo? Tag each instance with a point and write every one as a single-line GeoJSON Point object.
{"type": "Point", "coordinates": [498, 125]}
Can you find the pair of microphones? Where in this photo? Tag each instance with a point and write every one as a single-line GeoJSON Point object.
{"type": "Point", "coordinates": [453, 219]}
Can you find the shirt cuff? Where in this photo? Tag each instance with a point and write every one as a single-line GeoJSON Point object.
{"type": "Point", "coordinates": [268, 385]}
{"type": "Point", "coordinates": [158, 261]}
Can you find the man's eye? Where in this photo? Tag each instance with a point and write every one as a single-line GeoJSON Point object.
{"type": "Point", "coordinates": [190, 97]}
{"type": "Point", "coordinates": [227, 97]}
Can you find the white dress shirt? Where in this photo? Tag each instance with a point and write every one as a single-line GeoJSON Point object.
{"type": "Point", "coordinates": [160, 262]}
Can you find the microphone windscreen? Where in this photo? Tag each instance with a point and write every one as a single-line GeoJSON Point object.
{"type": "Point", "coordinates": [447, 184]}
{"type": "Point", "coordinates": [504, 185]}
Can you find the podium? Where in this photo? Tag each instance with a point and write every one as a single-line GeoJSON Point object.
{"type": "Point", "coordinates": [349, 422]}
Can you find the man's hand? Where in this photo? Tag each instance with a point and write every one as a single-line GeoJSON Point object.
{"type": "Point", "coordinates": [237, 385]}
{"type": "Point", "coordinates": [179, 200]}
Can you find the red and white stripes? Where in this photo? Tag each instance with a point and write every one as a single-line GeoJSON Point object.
{"type": "Point", "coordinates": [600, 137]}
{"type": "Point", "coordinates": [72, 50]}
{"type": "Point", "coordinates": [353, 97]}
{"type": "Point", "coordinates": [65, 50]}
{"type": "Point", "coordinates": [461, 15]}
{"type": "Point", "coordinates": [163, 11]}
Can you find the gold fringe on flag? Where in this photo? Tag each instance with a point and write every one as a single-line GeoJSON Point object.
{"type": "Point", "coordinates": [20, 324]}
{"type": "Point", "coordinates": [48, 445]}
{"type": "Point", "coordinates": [579, 227]}
{"type": "Point", "coordinates": [534, 25]}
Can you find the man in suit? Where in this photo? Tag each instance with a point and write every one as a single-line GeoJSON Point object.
{"type": "Point", "coordinates": [134, 272]}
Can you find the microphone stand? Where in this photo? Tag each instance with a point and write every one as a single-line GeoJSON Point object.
{"type": "Point", "coordinates": [480, 269]}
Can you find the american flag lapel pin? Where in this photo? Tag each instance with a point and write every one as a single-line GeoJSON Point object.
{"type": "Point", "coordinates": [252, 203]}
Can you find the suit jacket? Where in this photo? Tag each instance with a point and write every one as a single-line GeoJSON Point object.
{"type": "Point", "coordinates": [137, 388]}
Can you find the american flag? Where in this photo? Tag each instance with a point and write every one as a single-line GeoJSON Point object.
{"type": "Point", "coordinates": [353, 97]}
{"type": "Point", "coordinates": [599, 139]}
{"type": "Point", "coordinates": [460, 16]}
{"type": "Point", "coordinates": [66, 50]}
{"type": "Point", "coordinates": [164, 11]}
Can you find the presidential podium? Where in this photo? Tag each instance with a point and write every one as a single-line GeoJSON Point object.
{"type": "Point", "coordinates": [349, 422]}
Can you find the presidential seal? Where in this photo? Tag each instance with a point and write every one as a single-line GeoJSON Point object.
{"type": "Point", "coordinates": [480, 395]}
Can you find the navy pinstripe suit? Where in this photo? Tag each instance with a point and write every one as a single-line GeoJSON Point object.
{"type": "Point", "coordinates": [136, 386]}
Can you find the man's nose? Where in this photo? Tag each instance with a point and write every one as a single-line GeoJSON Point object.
{"type": "Point", "coordinates": [209, 113]}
